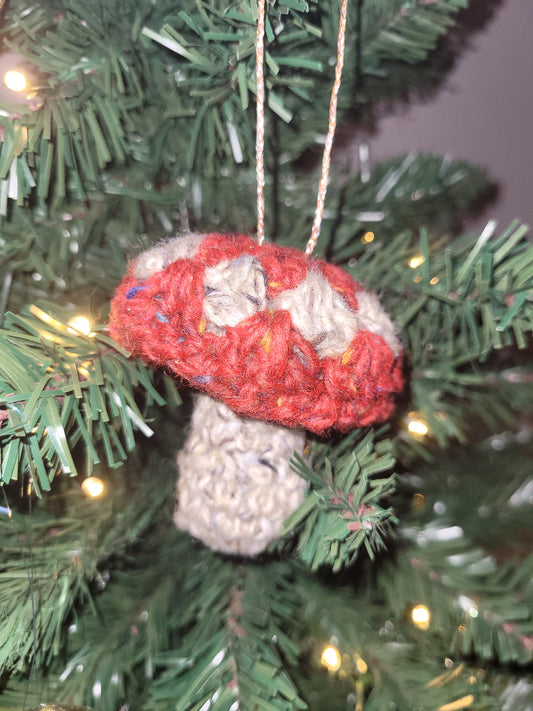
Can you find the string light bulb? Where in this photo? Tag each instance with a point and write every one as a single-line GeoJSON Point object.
{"type": "Point", "coordinates": [465, 702]}
{"type": "Point", "coordinates": [331, 658]}
{"type": "Point", "coordinates": [15, 80]}
{"type": "Point", "coordinates": [421, 617]}
{"type": "Point", "coordinates": [367, 237]}
{"type": "Point", "coordinates": [418, 502]}
{"type": "Point", "coordinates": [416, 261]}
{"type": "Point", "coordinates": [80, 324]}
{"type": "Point", "coordinates": [416, 425]}
{"type": "Point", "coordinates": [92, 486]}
{"type": "Point", "coordinates": [360, 664]}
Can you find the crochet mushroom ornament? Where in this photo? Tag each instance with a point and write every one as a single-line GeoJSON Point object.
{"type": "Point", "coordinates": [278, 344]}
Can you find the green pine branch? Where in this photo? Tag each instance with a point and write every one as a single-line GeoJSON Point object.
{"type": "Point", "coordinates": [175, 90]}
{"type": "Point", "coordinates": [471, 299]}
{"type": "Point", "coordinates": [405, 193]}
{"type": "Point", "coordinates": [86, 88]}
{"type": "Point", "coordinates": [405, 31]}
{"type": "Point", "coordinates": [52, 557]}
{"type": "Point", "coordinates": [458, 306]}
{"type": "Point", "coordinates": [455, 404]}
{"type": "Point", "coordinates": [385, 660]}
{"type": "Point", "coordinates": [238, 651]}
{"type": "Point", "coordinates": [103, 88]}
{"type": "Point", "coordinates": [60, 388]}
{"type": "Point", "coordinates": [151, 636]}
{"type": "Point", "coordinates": [473, 576]}
{"type": "Point", "coordinates": [486, 609]}
{"type": "Point", "coordinates": [114, 646]}
{"type": "Point", "coordinates": [40, 580]}
{"type": "Point", "coordinates": [345, 507]}
{"type": "Point", "coordinates": [80, 254]}
{"type": "Point", "coordinates": [215, 55]}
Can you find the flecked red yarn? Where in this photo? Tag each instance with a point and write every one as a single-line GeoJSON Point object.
{"type": "Point", "coordinates": [261, 367]}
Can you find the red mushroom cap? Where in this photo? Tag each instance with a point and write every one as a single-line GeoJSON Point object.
{"type": "Point", "coordinates": [272, 354]}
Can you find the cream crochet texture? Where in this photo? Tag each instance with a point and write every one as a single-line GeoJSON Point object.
{"type": "Point", "coordinates": [236, 485]}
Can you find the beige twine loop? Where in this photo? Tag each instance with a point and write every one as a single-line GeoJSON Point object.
{"type": "Point", "coordinates": [260, 126]}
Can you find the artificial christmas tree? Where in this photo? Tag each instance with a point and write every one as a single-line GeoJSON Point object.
{"type": "Point", "coordinates": [406, 565]}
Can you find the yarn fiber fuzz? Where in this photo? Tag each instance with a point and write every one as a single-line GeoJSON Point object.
{"type": "Point", "coordinates": [236, 486]}
{"type": "Point", "coordinates": [270, 332]}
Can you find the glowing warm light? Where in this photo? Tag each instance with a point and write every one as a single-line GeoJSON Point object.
{"type": "Point", "coordinates": [331, 658]}
{"type": "Point", "coordinates": [16, 81]}
{"type": "Point", "coordinates": [43, 316]}
{"type": "Point", "coordinates": [418, 502]}
{"type": "Point", "coordinates": [434, 280]}
{"type": "Point", "coordinates": [92, 486]}
{"type": "Point", "coordinates": [420, 616]}
{"type": "Point", "coordinates": [367, 237]}
{"type": "Point", "coordinates": [415, 262]}
{"type": "Point", "coordinates": [464, 702]}
{"type": "Point", "coordinates": [360, 664]}
{"type": "Point", "coordinates": [80, 324]}
{"type": "Point", "coordinates": [417, 427]}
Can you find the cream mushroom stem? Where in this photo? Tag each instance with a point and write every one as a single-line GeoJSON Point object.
{"type": "Point", "coordinates": [236, 485]}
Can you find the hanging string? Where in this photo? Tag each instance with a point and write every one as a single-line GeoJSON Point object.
{"type": "Point", "coordinates": [332, 123]}
{"type": "Point", "coordinates": [260, 126]}
{"type": "Point", "coordinates": [260, 120]}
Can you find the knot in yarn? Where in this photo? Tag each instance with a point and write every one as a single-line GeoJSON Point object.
{"type": "Point", "coordinates": [272, 333]}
